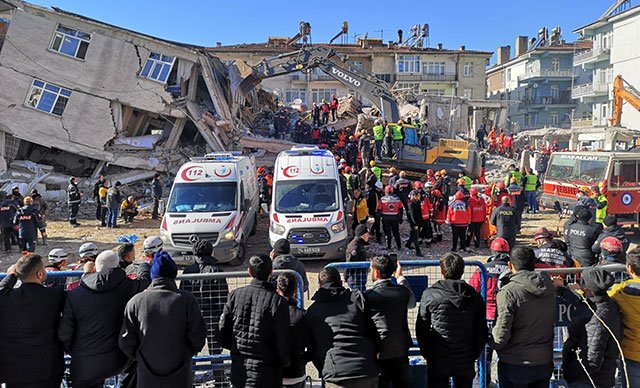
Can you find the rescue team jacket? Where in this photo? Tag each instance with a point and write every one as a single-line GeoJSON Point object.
{"type": "Point", "coordinates": [390, 206]}
{"type": "Point", "coordinates": [403, 188]}
{"type": "Point", "coordinates": [459, 213]}
{"type": "Point", "coordinates": [496, 266]}
{"type": "Point", "coordinates": [478, 209]}
{"type": "Point", "coordinates": [551, 255]}
{"type": "Point", "coordinates": [360, 210]}
{"type": "Point", "coordinates": [29, 221]}
{"type": "Point", "coordinates": [439, 210]}
{"type": "Point", "coordinates": [8, 210]}
{"type": "Point", "coordinates": [427, 207]}
{"type": "Point", "coordinates": [73, 194]}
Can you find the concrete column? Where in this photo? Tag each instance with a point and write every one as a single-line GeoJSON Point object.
{"type": "Point", "coordinates": [175, 134]}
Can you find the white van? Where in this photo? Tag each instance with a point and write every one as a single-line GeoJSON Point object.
{"type": "Point", "coordinates": [307, 205]}
{"type": "Point", "coordinates": [213, 198]}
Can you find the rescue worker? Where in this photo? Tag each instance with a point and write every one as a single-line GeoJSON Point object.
{"type": "Point", "coordinates": [549, 251]}
{"type": "Point", "coordinates": [398, 138]}
{"type": "Point", "coordinates": [333, 107]}
{"type": "Point", "coordinates": [29, 222]}
{"type": "Point", "coordinates": [493, 140]}
{"type": "Point", "coordinates": [461, 188]}
{"type": "Point", "coordinates": [426, 202]}
{"type": "Point", "coordinates": [129, 209]}
{"type": "Point", "coordinates": [443, 185]}
{"type": "Point", "coordinates": [508, 146]}
{"type": "Point", "coordinates": [518, 199]}
{"type": "Point", "coordinates": [390, 210]}
{"type": "Point", "coordinates": [315, 115]}
{"type": "Point", "coordinates": [611, 251]}
{"type": "Point", "coordinates": [402, 188]}
{"type": "Point", "coordinates": [580, 235]}
{"type": "Point", "coordinates": [459, 217]}
{"type": "Point", "coordinates": [393, 176]}
{"type": "Point", "coordinates": [499, 193]}
{"type": "Point", "coordinates": [387, 146]}
{"type": "Point", "coordinates": [265, 189]}
{"type": "Point", "coordinates": [514, 172]}
{"type": "Point", "coordinates": [467, 181]}
{"type": "Point", "coordinates": [478, 217]}
{"type": "Point", "coordinates": [373, 197]}
{"type": "Point", "coordinates": [86, 253]}
{"type": "Point", "coordinates": [586, 201]}
{"type": "Point", "coordinates": [531, 189]}
{"type": "Point", "coordinates": [360, 211]}
{"type": "Point", "coordinates": [150, 246]}
{"type": "Point", "coordinates": [56, 262]}
{"type": "Point", "coordinates": [439, 204]}
{"type": "Point", "coordinates": [378, 136]}
{"type": "Point", "coordinates": [431, 177]}
{"type": "Point", "coordinates": [16, 196]}
{"type": "Point", "coordinates": [414, 215]}
{"type": "Point", "coordinates": [375, 170]}
{"type": "Point", "coordinates": [504, 218]}
{"type": "Point", "coordinates": [611, 229]}
{"type": "Point", "coordinates": [73, 200]}
{"type": "Point", "coordinates": [8, 210]}
{"type": "Point", "coordinates": [601, 205]}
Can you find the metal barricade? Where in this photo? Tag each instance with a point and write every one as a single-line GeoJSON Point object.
{"type": "Point", "coordinates": [420, 274]}
{"type": "Point", "coordinates": [211, 365]}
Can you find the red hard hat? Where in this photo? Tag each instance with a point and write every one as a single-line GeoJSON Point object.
{"type": "Point", "coordinates": [429, 172]}
{"type": "Point", "coordinates": [347, 169]}
{"type": "Point", "coordinates": [417, 185]}
{"type": "Point", "coordinates": [500, 245]}
{"type": "Point", "coordinates": [500, 185]}
{"type": "Point", "coordinates": [473, 191]}
{"type": "Point", "coordinates": [459, 195]}
{"type": "Point", "coordinates": [462, 182]}
{"type": "Point", "coordinates": [436, 193]}
{"type": "Point", "coordinates": [261, 170]}
{"type": "Point", "coordinates": [542, 233]}
{"type": "Point", "coordinates": [388, 189]}
{"type": "Point", "coordinates": [611, 244]}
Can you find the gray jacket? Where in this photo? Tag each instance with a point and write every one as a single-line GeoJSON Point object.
{"type": "Point", "coordinates": [113, 198]}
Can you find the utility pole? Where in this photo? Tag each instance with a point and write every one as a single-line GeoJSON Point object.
{"type": "Point", "coordinates": [381, 34]}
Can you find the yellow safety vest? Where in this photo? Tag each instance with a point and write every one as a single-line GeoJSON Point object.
{"type": "Point", "coordinates": [513, 174]}
{"type": "Point", "coordinates": [532, 181]}
{"type": "Point", "coordinates": [601, 213]}
{"type": "Point", "coordinates": [376, 171]}
{"type": "Point", "coordinates": [397, 133]}
{"type": "Point", "coordinates": [378, 132]}
{"type": "Point", "coordinates": [467, 182]}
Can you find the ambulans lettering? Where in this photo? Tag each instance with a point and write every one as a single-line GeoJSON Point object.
{"type": "Point", "coordinates": [197, 221]}
{"type": "Point", "coordinates": [192, 173]}
{"type": "Point", "coordinates": [307, 219]}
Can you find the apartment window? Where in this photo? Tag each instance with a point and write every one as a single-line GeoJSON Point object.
{"type": "Point", "coordinates": [408, 63]}
{"type": "Point", "coordinates": [158, 67]}
{"type": "Point", "coordinates": [604, 112]}
{"type": "Point", "coordinates": [555, 64]}
{"type": "Point", "coordinates": [356, 66]}
{"type": "Point", "coordinates": [555, 91]}
{"type": "Point", "coordinates": [554, 119]}
{"type": "Point", "coordinates": [291, 95]}
{"type": "Point", "coordinates": [408, 85]}
{"type": "Point", "coordinates": [434, 68]}
{"type": "Point", "coordinates": [48, 97]}
{"type": "Point", "coordinates": [529, 68]}
{"type": "Point", "coordinates": [468, 69]}
{"type": "Point", "coordinates": [384, 77]}
{"type": "Point", "coordinates": [435, 92]}
{"type": "Point", "coordinates": [528, 120]}
{"type": "Point", "coordinates": [317, 95]}
{"type": "Point", "coordinates": [70, 42]}
{"type": "Point", "coordinates": [467, 93]}
{"type": "Point", "coordinates": [508, 75]}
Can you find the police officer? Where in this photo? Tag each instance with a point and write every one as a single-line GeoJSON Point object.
{"type": "Point", "coordinates": [378, 136]}
{"type": "Point", "coordinates": [29, 222]}
{"type": "Point", "coordinates": [403, 187]}
{"type": "Point", "coordinates": [73, 200]}
{"type": "Point", "coordinates": [504, 218]}
{"type": "Point", "coordinates": [580, 235]}
{"type": "Point", "coordinates": [7, 213]}
{"type": "Point", "coordinates": [390, 210]}
{"type": "Point", "coordinates": [518, 199]}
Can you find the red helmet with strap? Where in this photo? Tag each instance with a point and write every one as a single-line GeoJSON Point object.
{"type": "Point", "coordinates": [611, 244]}
{"type": "Point", "coordinates": [500, 245]}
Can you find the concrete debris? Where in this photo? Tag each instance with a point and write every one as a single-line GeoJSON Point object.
{"type": "Point", "coordinates": [497, 167]}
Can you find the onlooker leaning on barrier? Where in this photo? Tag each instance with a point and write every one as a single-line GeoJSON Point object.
{"type": "Point", "coordinates": [32, 354]}
{"type": "Point", "coordinates": [356, 278]}
{"type": "Point", "coordinates": [590, 346]}
{"type": "Point", "coordinates": [343, 336]}
{"type": "Point", "coordinates": [29, 222]}
{"type": "Point", "coordinates": [627, 295]}
{"type": "Point", "coordinates": [524, 327]}
{"type": "Point", "coordinates": [255, 328]}
{"type": "Point", "coordinates": [163, 329]}
{"type": "Point", "coordinates": [294, 375]}
{"type": "Point", "coordinates": [497, 264]}
{"type": "Point", "coordinates": [283, 259]}
{"type": "Point", "coordinates": [92, 319]}
{"type": "Point", "coordinates": [451, 327]}
{"type": "Point", "coordinates": [387, 305]}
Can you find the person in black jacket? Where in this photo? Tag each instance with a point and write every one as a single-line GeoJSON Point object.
{"type": "Point", "coordinates": [73, 200]}
{"type": "Point", "coordinates": [92, 319]}
{"type": "Point", "coordinates": [96, 196]}
{"type": "Point", "coordinates": [283, 259]}
{"type": "Point", "coordinates": [505, 219]}
{"type": "Point", "coordinates": [32, 354]}
{"type": "Point", "coordinates": [414, 214]}
{"type": "Point", "coordinates": [356, 278]}
{"type": "Point", "coordinates": [294, 375]}
{"type": "Point", "coordinates": [611, 229]}
{"type": "Point", "coordinates": [590, 343]}
{"type": "Point", "coordinates": [8, 210]}
{"type": "Point", "coordinates": [343, 338]}
{"type": "Point", "coordinates": [580, 236]}
{"type": "Point", "coordinates": [451, 327]}
{"type": "Point", "coordinates": [162, 329]}
{"type": "Point", "coordinates": [388, 304]}
{"type": "Point", "coordinates": [29, 222]}
{"type": "Point", "coordinates": [156, 195]}
{"type": "Point", "coordinates": [211, 293]}
{"type": "Point", "coordinates": [255, 328]}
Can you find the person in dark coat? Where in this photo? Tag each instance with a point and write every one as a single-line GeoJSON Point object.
{"type": "Point", "coordinates": [550, 253]}
{"type": "Point", "coordinates": [29, 222]}
{"type": "Point", "coordinates": [16, 196]}
{"type": "Point", "coordinates": [611, 229]}
{"type": "Point", "coordinates": [255, 328]}
{"type": "Point", "coordinates": [156, 195]}
{"type": "Point", "coordinates": [8, 210]}
{"type": "Point", "coordinates": [114, 199]}
{"type": "Point", "coordinates": [388, 303]}
{"type": "Point", "coordinates": [294, 375]}
{"type": "Point", "coordinates": [73, 200]}
{"type": "Point", "coordinates": [163, 328]}
{"type": "Point", "coordinates": [451, 326]}
{"type": "Point", "coordinates": [505, 219]}
{"type": "Point", "coordinates": [580, 236]}
{"type": "Point", "coordinates": [283, 259]}
{"type": "Point", "coordinates": [96, 196]}
{"type": "Point", "coordinates": [589, 335]}
{"type": "Point", "coordinates": [356, 278]}
{"type": "Point", "coordinates": [32, 354]}
{"type": "Point", "coordinates": [92, 319]}
{"type": "Point", "coordinates": [343, 337]}
{"type": "Point", "coordinates": [211, 294]}
{"type": "Point", "coordinates": [414, 214]}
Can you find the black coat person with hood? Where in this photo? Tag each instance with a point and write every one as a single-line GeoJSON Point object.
{"type": "Point", "coordinates": [356, 278]}
{"type": "Point", "coordinates": [580, 235]}
{"type": "Point", "coordinates": [451, 327]}
{"type": "Point", "coordinates": [588, 336]}
{"type": "Point", "coordinates": [163, 328]}
{"type": "Point", "coordinates": [283, 259]}
{"type": "Point", "coordinates": [612, 229]}
{"type": "Point", "coordinates": [92, 319]}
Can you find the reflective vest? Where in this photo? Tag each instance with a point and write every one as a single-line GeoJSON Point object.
{"type": "Point", "coordinates": [426, 208]}
{"type": "Point", "coordinates": [378, 132]}
{"type": "Point", "coordinates": [601, 213]}
{"type": "Point", "coordinates": [513, 174]}
{"type": "Point", "coordinates": [532, 182]}
{"type": "Point", "coordinates": [397, 133]}
{"type": "Point", "coordinates": [348, 179]}
{"type": "Point", "coordinates": [467, 182]}
{"type": "Point", "coordinates": [376, 171]}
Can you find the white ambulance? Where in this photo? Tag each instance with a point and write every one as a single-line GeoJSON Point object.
{"type": "Point", "coordinates": [307, 206]}
{"type": "Point", "coordinates": [213, 198]}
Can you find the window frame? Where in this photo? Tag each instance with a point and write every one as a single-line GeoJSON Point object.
{"type": "Point", "coordinates": [555, 64]}
{"type": "Point", "coordinates": [403, 67]}
{"type": "Point", "coordinates": [300, 93]}
{"type": "Point", "coordinates": [613, 184]}
{"type": "Point", "coordinates": [155, 63]}
{"type": "Point", "coordinates": [434, 68]}
{"type": "Point", "coordinates": [327, 92]}
{"type": "Point", "coordinates": [63, 35]}
{"type": "Point", "coordinates": [467, 70]}
{"type": "Point", "coordinates": [43, 89]}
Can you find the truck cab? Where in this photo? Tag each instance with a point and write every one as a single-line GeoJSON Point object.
{"type": "Point", "coordinates": [213, 198]}
{"type": "Point", "coordinates": [307, 207]}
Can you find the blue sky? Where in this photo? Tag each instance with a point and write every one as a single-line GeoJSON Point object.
{"type": "Point", "coordinates": [479, 25]}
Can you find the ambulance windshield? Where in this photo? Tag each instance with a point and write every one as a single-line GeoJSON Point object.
{"type": "Point", "coordinates": [203, 197]}
{"type": "Point", "coordinates": [306, 196]}
{"type": "Point", "coordinates": [577, 169]}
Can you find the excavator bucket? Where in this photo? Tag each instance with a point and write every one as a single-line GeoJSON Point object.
{"type": "Point", "coordinates": [249, 78]}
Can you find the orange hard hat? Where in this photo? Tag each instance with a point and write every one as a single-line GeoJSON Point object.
{"type": "Point", "coordinates": [500, 245]}
{"type": "Point", "coordinates": [462, 182]}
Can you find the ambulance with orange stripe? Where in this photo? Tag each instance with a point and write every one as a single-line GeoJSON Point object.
{"type": "Point", "coordinates": [213, 198]}
{"type": "Point", "coordinates": [307, 207]}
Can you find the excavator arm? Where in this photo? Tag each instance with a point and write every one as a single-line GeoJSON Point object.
{"type": "Point", "coordinates": [305, 59]}
{"type": "Point", "coordinates": [622, 92]}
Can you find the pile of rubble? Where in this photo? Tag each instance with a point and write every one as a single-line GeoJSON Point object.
{"type": "Point", "coordinates": [497, 167]}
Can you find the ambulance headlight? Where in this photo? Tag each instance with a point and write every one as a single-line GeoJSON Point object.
{"type": "Point", "coordinates": [338, 227]}
{"type": "Point", "coordinates": [277, 228]}
{"type": "Point", "coordinates": [228, 236]}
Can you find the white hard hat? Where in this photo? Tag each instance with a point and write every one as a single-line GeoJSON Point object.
{"type": "Point", "coordinates": [152, 244]}
{"type": "Point", "coordinates": [342, 161]}
{"type": "Point", "coordinates": [57, 255]}
{"type": "Point", "coordinates": [378, 185]}
{"type": "Point", "coordinates": [376, 121]}
{"type": "Point", "coordinates": [88, 250]}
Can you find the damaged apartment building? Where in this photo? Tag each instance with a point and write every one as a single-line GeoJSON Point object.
{"type": "Point", "coordinates": [80, 95]}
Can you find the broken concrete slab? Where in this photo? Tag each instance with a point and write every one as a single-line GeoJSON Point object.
{"type": "Point", "coordinates": [265, 143]}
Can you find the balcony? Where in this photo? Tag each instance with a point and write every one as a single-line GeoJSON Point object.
{"type": "Point", "coordinates": [548, 74]}
{"type": "Point", "coordinates": [593, 55]}
{"type": "Point", "coordinates": [589, 90]}
{"type": "Point", "coordinates": [546, 124]}
{"type": "Point", "coordinates": [582, 123]}
{"type": "Point", "coordinates": [421, 77]}
{"type": "Point", "coordinates": [549, 100]}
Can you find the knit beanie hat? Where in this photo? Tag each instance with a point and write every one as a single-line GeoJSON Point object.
{"type": "Point", "coordinates": [361, 230]}
{"type": "Point", "coordinates": [282, 247]}
{"type": "Point", "coordinates": [597, 280]}
{"type": "Point", "coordinates": [163, 266]}
{"type": "Point", "coordinates": [107, 260]}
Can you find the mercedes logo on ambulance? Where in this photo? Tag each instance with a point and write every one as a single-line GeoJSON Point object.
{"type": "Point", "coordinates": [193, 239]}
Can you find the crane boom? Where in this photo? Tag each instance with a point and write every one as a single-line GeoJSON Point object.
{"type": "Point", "coordinates": [622, 92]}
{"type": "Point", "coordinates": [307, 58]}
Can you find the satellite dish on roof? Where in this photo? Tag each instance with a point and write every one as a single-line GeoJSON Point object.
{"type": "Point", "coordinates": [535, 86]}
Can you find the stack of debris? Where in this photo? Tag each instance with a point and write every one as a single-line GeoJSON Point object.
{"type": "Point", "coordinates": [497, 167]}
